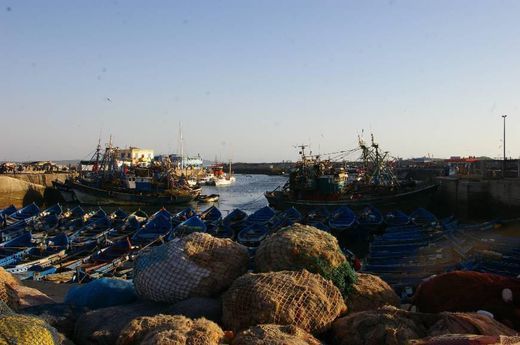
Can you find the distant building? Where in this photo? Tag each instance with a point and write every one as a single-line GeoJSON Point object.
{"type": "Point", "coordinates": [187, 162]}
{"type": "Point", "coordinates": [135, 156]}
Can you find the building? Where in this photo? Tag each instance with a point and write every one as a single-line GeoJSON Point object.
{"type": "Point", "coordinates": [187, 162]}
{"type": "Point", "coordinates": [134, 156]}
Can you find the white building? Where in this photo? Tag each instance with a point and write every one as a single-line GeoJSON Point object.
{"type": "Point", "coordinates": [134, 156]}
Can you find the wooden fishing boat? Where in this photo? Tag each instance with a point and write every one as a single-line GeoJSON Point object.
{"type": "Point", "coordinates": [159, 224]}
{"type": "Point", "coordinates": [191, 225]}
{"type": "Point", "coordinates": [211, 215]}
{"type": "Point", "coordinates": [396, 218]}
{"type": "Point", "coordinates": [14, 250]}
{"type": "Point", "coordinates": [208, 198]}
{"type": "Point", "coordinates": [343, 218]}
{"type": "Point", "coordinates": [370, 218]}
{"type": "Point", "coordinates": [423, 217]}
{"type": "Point", "coordinates": [235, 219]}
{"type": "Point", "coordinates": [252, 235]}
{"type": "Point", "coordinates": [261, 216]}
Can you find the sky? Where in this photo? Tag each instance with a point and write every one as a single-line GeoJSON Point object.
{"type": "Point", "coordinates": [250, 80]}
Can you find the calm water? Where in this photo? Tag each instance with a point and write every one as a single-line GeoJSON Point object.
{"type": "Point", "coordinates": [247, 193]}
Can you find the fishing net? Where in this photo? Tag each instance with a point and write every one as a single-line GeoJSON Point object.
{"type": "Point", "coordinates": [275, 335]}
{"type": "Point", "coordinates": [6, 279]}
{"type": "Point", "coordinates": [385, 326]}
{"type": "Point", "coordinates": [198, 265]}
{"type": "Point", "coordinates": [5, 310]}
{"type": "Point", "coordinates": [298, 298]}
{"type": "Point", "coordinates": [300, 247]}
{"type": "Point", "coordinates": [471, 291]}
{"type": "Point", "coordinates": [468, 323]}
{"type": "Point", "coordinates": [26, 330]}
{"type": "Point", "coordinates": [103, 326]}
{"type": "Point", "coordinates": [467, 339]}
{"type": "Point", "coordinates": [167, 329]}
{"type": "Point", "coordinates": [370, 292]}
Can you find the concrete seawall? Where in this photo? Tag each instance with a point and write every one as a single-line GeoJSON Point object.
{"type": "Point", "coordinates": [480, 197]}
{"type": "Point", "coordinates": [22, 189]}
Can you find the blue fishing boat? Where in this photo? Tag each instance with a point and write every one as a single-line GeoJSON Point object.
{"type": "Point", "coordinates": [47, 253]}
{"type": "Point", "coordinates": [320, 225]}
{"type": "Point", "coordinates": [261, 216]}
{"type": "Point", "coordinates": [342, 218]}
{"type": "Point", "coordinates": [396, 218]}
{"type": "Point", "coordinates": [211, 215]}
{"type": "Point", "coordinates": [423, 217]}
{"type": "Point", "coordinates": [319, 214]}
{"type": "Point", "coordinates": [28, 211]}
{"type": "Point", "coordinates": [183, 215]}
{"type": "Point", "coordinates": [159, 224]}
{"type": "Point", "coordinates": [235, 218]}
{"type": "Point", "coordinates": [370, 217]}
{"type": "Point", "coordinates": [4, 213]}
{"type": "Point", "coordinates": [222, 231]}
{"type": "Point", "coordinates": [194, 224]}
{"type": "Point", "coordinates": [54, 209]}
{"type": "Point", "coordinates": [252, 235]}
{"type": "Point", "coordinates": [285, 218]}
{"type": "Point", "coordinates": [8, 210]}
{"type": "Point", "coordinates": [14, 250]}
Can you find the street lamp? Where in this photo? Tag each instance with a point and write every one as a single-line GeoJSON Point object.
{"type": "Point", "coordinates": [504, 146]}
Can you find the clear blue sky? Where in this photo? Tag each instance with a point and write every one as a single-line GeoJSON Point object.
{"type": "Point", "coordinates": [250, 79]}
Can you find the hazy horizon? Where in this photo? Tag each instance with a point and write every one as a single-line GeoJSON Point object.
{"type": "Point", "coordinates": [251, 80]}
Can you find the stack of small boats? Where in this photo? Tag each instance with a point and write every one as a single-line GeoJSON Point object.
{"type": "Point", "coordinates": [75, 245]}
{"type": "Point", "coordinates": [419, 246]}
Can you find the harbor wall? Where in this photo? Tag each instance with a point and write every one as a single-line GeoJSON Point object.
{"type": "Point", "coordinates": [25, 188]}
{"type": "Point", "coordinates": [479, 198]}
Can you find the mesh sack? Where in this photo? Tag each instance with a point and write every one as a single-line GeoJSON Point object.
{"type": "Point", "coordinates": [275, 335]}
{"type": "Point", "coordinates": [26, 330]}
{"type": "Point", "coordinates": [370, 292]}
{"type": "Point", "coordinates": [198, 265]}
{"type": "Point", "coordinates": [468, 339]}
{"type": "Point", "coordinates": [298, 298]}
{"type": "Point", "coordinates": [167, 329]}
{"type": "Point", "coordinates": [300, 247]}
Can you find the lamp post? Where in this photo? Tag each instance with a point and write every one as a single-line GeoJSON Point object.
{"type": "Point", "coordinates": [504, 146]}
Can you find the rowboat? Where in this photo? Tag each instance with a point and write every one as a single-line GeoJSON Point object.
{"type": "Point", "coordinates": [194, 224]}
{"type": "Point", "coordinates": [253, 234]}
{"type": "Point", "coordinates": [342, 218]}
{"type": "Point", "coordinates": [396, 218]}
{"type": "Point", "coordinates": [261, 216]}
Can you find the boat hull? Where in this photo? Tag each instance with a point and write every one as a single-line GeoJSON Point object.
{"type": "Point", "coordinates": [95, 196]}
{"type": "Point", "coordinates": [403, 200]}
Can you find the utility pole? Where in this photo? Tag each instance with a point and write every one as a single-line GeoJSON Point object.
{"type": "Point", "coordinates": [504, 146]}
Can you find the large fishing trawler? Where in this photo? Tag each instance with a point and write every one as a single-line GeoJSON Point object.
{"type": "Point", "coordinates": [327, 183]}
{"type": "Point", "coordinates": [110, 183]}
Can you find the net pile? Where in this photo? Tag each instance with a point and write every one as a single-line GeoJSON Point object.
{"type": "Point", "coordinates": [6, 280]}
{"type": "Point", "coordinates": [26, 330]}
{"type": "Point", "coordinates": [300, 247]}
{"type": "Point", "coordinates": [389, 325]}
{"type": "Point", "coordinates": [300, 298]}
{"type": "Point", "coordinates": [370, 292]}
{"type": "Point", "coordinates": [385, 326]}
{"type": "Point", "coordinates": [198, 265]}
{"type": "Point", "coordinates": [469, 292]}
{"type": "Point", "coordinates": [468, 323]}
{"type": "Point", "coordinates": [275, 335]}
{"type": "Point", "coordinates": [167, 329]}
{"type": "Point", "coordinates": [467, 339]}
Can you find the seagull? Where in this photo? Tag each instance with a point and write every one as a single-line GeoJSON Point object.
{"type": "Point", "coordinates": [108, 99]}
